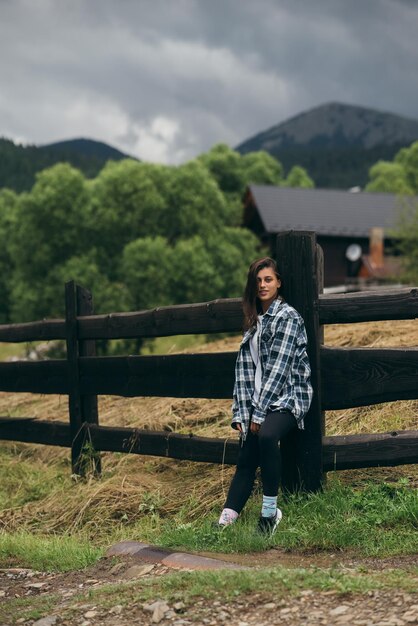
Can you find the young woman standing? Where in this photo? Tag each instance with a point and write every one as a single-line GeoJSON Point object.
{"type": "Point", "coordinates": [272, 391]}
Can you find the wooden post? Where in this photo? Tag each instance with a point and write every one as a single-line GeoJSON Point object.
{"type": "Point", "coordinates": [297, 257]}
{"type": "Point", "coordinates": [81, 408]}
{"type": "Point", "coordinates": [74, 396]}
{"type": "Point", "coordinates": [87, 347]}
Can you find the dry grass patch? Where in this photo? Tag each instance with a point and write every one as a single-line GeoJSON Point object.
{"type": "Point", "coordinates": [133, 487]}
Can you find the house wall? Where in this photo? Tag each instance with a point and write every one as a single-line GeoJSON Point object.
{"type": "Point", "coordinates": [336, 266]}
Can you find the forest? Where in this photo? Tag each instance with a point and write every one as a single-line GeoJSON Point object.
{"type": "Point", "coordinates": [139, 235]}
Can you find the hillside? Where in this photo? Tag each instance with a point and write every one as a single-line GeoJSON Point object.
{"type": "Point", "coordinates": [19, 164]}
{"type": "Point", "coordinates": [336, 143]}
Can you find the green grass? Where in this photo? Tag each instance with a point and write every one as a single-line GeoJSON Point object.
{"type": "Point", "coordinates": [25, 480]}
{"type": "Point", "coordinates": [377, 520]}
{"type": "Point", "coordinates": [52, 553]}
{"type": "Point", "coordinates": [274, 583]}
{"type": "Point", "coordinates": [177, 343]}
{"type": "Point", "coordinates": [8, 350]}
{"type": "Point", "coordinates": [32, 608]}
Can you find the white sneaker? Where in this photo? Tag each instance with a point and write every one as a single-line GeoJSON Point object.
{"type": "Point", "coordinates": [268, 525]}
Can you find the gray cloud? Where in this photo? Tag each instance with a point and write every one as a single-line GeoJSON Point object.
{"type": "Point", "coordinates": [166, 80]}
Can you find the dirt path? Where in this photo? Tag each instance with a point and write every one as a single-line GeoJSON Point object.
{"type": "Point", "coordinates": [65, 599]}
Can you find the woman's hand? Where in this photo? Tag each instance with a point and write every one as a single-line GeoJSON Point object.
{"type": "Point", "coordinates": [254, 428]}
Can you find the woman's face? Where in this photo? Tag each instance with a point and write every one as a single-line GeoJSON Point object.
{"type": "Point", "coordinates": [267, 286]}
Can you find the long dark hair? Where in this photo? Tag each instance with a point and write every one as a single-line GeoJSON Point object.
{"type": "Point", "coordinates": [251, 303]}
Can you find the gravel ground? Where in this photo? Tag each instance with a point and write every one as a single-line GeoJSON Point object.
{"type": "Point", "coordinates": [383, 608]}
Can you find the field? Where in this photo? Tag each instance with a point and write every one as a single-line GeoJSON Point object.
{"type": "Point", "coordinates": [334, 541]}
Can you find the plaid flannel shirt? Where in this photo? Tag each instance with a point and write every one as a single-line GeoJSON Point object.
{"type": "Point", "coordinates": [285, 382]}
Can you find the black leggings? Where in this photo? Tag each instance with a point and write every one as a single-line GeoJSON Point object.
{"type": "Point", "coordinates": [260, 450]}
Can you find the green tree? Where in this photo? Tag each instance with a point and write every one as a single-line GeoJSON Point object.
{"type": "Point", "coordinates": [388, 177]}
{"type": "Point", "coordinates": [8, 204]}
{"type": "Point", "coordinates": [233, 173]}
{"type": "Point", "coordinates": [50, 228]}
{"type": "Point", "coordinates": [407, 158]}
{"type": "Point", "coordinates": [298, 177]}
{"type": "Point", "coordinates": [231, 252]}
{"type": "Point", "coordinates": [406, 236]}
{"type": "Point", "coordinates": [261, 168]}
{"type": "Point", "coordinates": [401, 177]}
{"type": "Point", "coordinates": [225, 165]}
{"type": "Point", "coordinates": [139, 235]}
{"type": "Point", "coordinates": [146, 271]}
{"type": "Point", "coordinates": [194, 278]}
{"type": "Point", "coordinates": [108, 296]}
{"type": "Point", "coordinates": [196, 204]}
{"type": "Point", "coordinates": [125, 204]}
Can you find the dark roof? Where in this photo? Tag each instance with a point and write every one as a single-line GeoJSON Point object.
{"type": "Point", "coordinates": [326, 211]}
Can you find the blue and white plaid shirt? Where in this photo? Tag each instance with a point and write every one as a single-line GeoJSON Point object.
{"type": "Point", "coordinates": [285, 382]}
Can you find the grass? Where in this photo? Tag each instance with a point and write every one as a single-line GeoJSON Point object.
{"type": "Point", "coordinates": [53, 553]}
{"type": "Point", "coordinates": [32, 608]}
{"type": "Point", "coordinates": [275, 583]}
{"type": "Point", "coordinates": [368, 512]}
{"type": "Point", "coordinates": [375, 520]}
{"type": "Point", "coordinates": [378, 520]}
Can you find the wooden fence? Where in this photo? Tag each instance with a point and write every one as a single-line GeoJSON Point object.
{"type": "Point", "coordinates": [341, 377]}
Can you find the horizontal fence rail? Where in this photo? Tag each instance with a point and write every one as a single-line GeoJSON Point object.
{"type": "Point", "coordinates": [178, 375]}
{"type": "Point", "coordinates": [35, 376]}
{"type": "Point", "coordinates": [339, 452]}
{"type": "Point", "coordinates": [216, 316]}
{"type": "Point", "coordinates": [42, 330]}
{"type": "Point", "coordinates": [369, 306]}
{"type": "Point", "coordinates": [350, 377]}
{"type": "Point", "coordinates": [361, 376]}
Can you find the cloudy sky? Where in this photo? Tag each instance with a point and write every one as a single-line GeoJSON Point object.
{"type": "Point", "coordinates": [166, 79]}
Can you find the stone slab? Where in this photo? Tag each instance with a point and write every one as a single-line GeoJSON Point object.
{"type": "Point", "coordinates": [183, 560]}
{"type": "Point", "coordinates": [179, 560]}
{"type": "Point", "coordinates": [125, 548]}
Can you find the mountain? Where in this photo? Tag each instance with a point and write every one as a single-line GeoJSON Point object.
{"type": "Point", "coordinates": [19, 164]}
{"type": "Point", "coordinates": [87, 148]}
{"type": "Point", "coordinates": [336, 143]}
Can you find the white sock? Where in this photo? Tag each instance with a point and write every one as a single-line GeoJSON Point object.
{"type": "Point", "coordinates": [228, 516]}
{"type": "Point", "coordinates": [269, 507]}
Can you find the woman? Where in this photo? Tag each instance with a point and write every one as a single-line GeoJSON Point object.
{"type": "Point", "coordinates": [272, 391]}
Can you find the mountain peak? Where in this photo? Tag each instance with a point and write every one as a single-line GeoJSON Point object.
{"type": "Point", "coordinates": [335, 125]}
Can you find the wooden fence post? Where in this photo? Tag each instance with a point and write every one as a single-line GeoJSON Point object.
{"type": "Point", "coordinates": [74, 397]}
{"type": "Point", "coordinates": [81, 408]}
{"type": "Point", "coordinates": [297, 257]}
{"type": "Point", "coordinates": [87, 347]}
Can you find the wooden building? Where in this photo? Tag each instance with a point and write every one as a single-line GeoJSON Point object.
{"type": "Point", "coordinates": [344, 221]}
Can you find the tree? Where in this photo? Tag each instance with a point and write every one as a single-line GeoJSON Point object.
{"type": "Point", "coordinates": [233, 173]}
{"type": "Point", "coordinates": [388, 177]}
{"type": "Point", "coordinates": [398, 176]}
{"type": "Point", "coordinates": [125, 204]}
{"type": "Point", "coordinates": [108, 296]}
{"type": "Point", "coordinates": [146, 270]}
{"type": "Point", "coordinates": [196, 205]}
{"type": "Point", "coordinates": [260, 168]}
{"type": "Point", "coordinates": [49, 229]}
{"type": "Point", "coordinates": [298, 177]}
{"type": "Point", "coordinates": [139, 235]}
{"type": "Point", "coordinates": [231, 252]}
{"type": "Point", "coordinates": [225, 166]}
{"type": "Point", "coordinates": [8, 203]}
{"type": "Point", "coordinates": [401, 177]}
{"type": "Point", "coordinates": [407, 158]}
